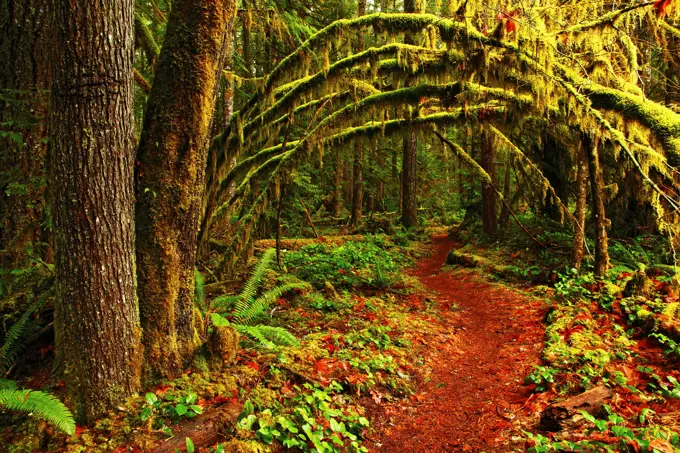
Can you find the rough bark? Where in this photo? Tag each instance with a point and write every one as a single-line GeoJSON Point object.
{"type": "Point", "coordinates": [91, 167]}
{"type": "Point", "coordinates": [24, 80]}
{"type": "Point", "coordinates": [170, 178]}
{"type": "Point", "coordinates": [599, 214]}
{"type": "Point", "coordinates": [205, 430]}
{"type": "Point", "coordinates": [489, 197]}
{"type": "Point", "coordinates": [580, 213]}
{"type": "Point", "coordinates": [409, 177]}
{"type": "Point", "coordinates": [567, 414]}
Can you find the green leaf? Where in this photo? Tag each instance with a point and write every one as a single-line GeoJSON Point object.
{"type": "Point", "coordinates": [219, 321]}
{"type": "Point", "coordinates": [181, 409]}
{"type": "Point", "coordinates": [643, 414]}
{"type": "Point", "coordinates": [150, 398]}
{"type": "Point", "coordinates": [248, 409]}
{"type": "Point", "coordinates": [190, 445]}
{"type": "Point", "coordinates": [196, 408]}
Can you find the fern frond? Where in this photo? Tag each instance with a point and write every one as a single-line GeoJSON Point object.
{"type": "Point", "coordinates": [40, 404]}
{"type": "Point", "coordinates": [7, 384]}
{"type": "Point", "coordinates": [221, 302]}
{"type": "Point", "coordinates": [268, 336]}
{"type": "Point", "coordinates": [245, 313]}
{"type": "Point", "coordinates": [12, 345]}
{"type": "Point", "coordinates": [255, 280]}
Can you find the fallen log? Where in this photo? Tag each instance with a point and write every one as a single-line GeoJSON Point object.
{"type": "Point", "coordinates": [470, 260]}
{"type": "Point", "coordinates": [567, 414]}
{"type": "Point", "coordinates": [205, 430]}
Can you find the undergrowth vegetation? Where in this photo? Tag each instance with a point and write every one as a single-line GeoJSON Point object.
{"type": "Point", "coordinates": [318, 338]}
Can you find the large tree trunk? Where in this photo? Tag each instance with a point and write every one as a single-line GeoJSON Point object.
{"type": "Point", "coordinates": [580, 213]}
{"type": "Point", "coordinates": [170, 177]}
{"type": "Point", "coordinates": [409, 177]}
{"type": "Point", "coordinates": [92, 164]}
{"type": "Point", "coordinates": [599, 213]}
{"type": "Point", "coordinates": [489, 218]}
{"type": "Point", "coordinates": [24, 81]}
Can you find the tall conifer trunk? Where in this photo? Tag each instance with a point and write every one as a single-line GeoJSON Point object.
{"type": "Point", "coordinates": [170, 176]}
{"type": "Point", "coordinates": [409, 177]}
{"type": "Point", "coordinates": [92, 163]}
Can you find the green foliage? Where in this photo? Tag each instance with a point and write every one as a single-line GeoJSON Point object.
{"type": "Point", "coordinates": [542, 377]}
{"type": "Point", "coordinates": [268, 336]}
{"type": "Point", "coordinates": [247, 310]}
{"type": "Point", "coordinates": [672, 347]}
{"type": "Point", "coordinates": [248, 307]}
{"type": "Point", "coordinates": [35, 402]}
{"type": "Point", "coordinates": [365, 262]}
{"type": "Point", "coordinates": [13, 342]}
{"type": "Point", "coordinates": [651, 439]}
{"type": "Point", "coordinates": [315, 420]}
{"type": "Point", "coordinates": [170, 407]}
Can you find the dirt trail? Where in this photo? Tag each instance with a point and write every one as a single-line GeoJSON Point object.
{"type": "Point", "coordinates": [476, 389]}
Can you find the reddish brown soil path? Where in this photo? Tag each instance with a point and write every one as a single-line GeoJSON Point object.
{"type": "Point", "coordinates": [473, 401]}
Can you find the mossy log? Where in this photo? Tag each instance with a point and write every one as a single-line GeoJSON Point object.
{"type": "Point", "coordinates": [204, 430]}
{"type": "Point", "coordinates": [464, 259]}
{"type": "Point", "coordinates": [567, 414]}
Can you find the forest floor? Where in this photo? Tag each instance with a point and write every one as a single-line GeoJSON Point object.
{"type": "Point", "coordinates": [476, 393]}
{"type": "Point", "coordinates": [396, 351]}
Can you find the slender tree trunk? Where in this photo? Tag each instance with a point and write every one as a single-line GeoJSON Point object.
{"type": "Point", "coordinates": [409, 177]}
{"type": "Point", "coordinates": [92, 131]}
{"type": "Point", "coordinates": [337, 189]}
{"type": "Point", "coordinates": [409, 185]}
{"type": "Point", "coordinates": [279, 210]}
{"type": "Point", "coordinates": [489, 218]}
{"type": "Point", "coordinates": [505, 212]}
{"type": "Point", "coordinates": [599, 213]}
{"type": "Point", "coordinates": [358, 194]}
{"type": "Point", "coordinates": [170, 176]}
{"type": "Point", "coordinates": [348, 182]}
{"type": "Point", "coordinates": [24, 81]}
{"type": "Point", "coordinates": [580, 213]}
